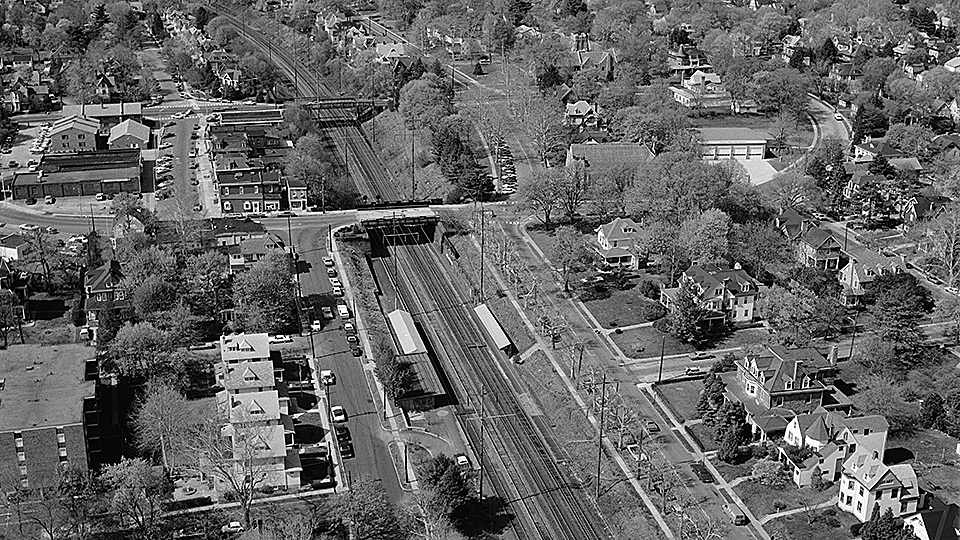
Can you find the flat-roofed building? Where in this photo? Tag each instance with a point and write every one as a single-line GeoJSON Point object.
{"type": "Point", "coordinates": [81, 174]}
{"type": "Point", "coordinates": [426, 390]}
{"type": "Point", "coordinates": [49, 416]}
{"type": "Point", "coordinates": [732, 143]}
{"type": "Point", "coordinates": [107, 114]}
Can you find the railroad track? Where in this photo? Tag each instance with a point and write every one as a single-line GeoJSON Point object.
{"type": "Point", "coordinates": [372, 179]}
{"type": "Point", "coordinates": [550, 502]}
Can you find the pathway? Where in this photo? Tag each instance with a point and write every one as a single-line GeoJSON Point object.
{"type": "Point", "coordinates": [767, 518]}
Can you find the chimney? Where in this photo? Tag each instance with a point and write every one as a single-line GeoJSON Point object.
{"type": "Point", "coordinates": [737, 266]}
{"type": "Point", "coordinates": [832, 356]}
{"type": "Point", "coordinates": [796, 367]}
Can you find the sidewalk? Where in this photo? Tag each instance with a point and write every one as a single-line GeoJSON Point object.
{"type": "Point", "coordinates": [767, 518]}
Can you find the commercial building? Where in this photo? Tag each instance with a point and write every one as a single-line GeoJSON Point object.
{"type": "Point", "coordinates": [49, 414]}
{"type": "Point", "coordinates": [81, 174]}
{"type": "Point", "coordinates": [107, 114]}
{"type": "Point", "coordinates": [732, 143]}
{"type": "Point", "coordinates": [74, 134]}
{"type": "Point", "coordinates": [129, 134]}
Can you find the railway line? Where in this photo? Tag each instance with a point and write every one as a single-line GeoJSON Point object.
{"type": "Point", "coordinates": [373, 181]}
{"type": "Point", "coordinates": [527, 471]}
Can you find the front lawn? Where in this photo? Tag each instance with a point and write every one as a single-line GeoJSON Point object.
{"type": "Point", "coordinates": [616, 307]}
{"type": "Point", "coordinates": [826, 525]}
{"type": "Point", "coordinates": [760, 498]}
{"type": "Point", "coordinates": [682, 398]}
{"type": "Point", "coordinates": [645, 342]}
{"type": "Point", "coordinates": [742, 467]}
{"type": "Point", "coordinates": [704, 435]}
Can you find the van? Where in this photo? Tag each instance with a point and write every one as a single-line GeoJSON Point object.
{"type": "Point", "coordinates": [736, 516]}
{"type": "Point", "coordinates": [343, 311]}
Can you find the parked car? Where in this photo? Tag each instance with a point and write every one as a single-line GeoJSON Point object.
{"type": "Point", "coordinates": [462, 461]}
{"type": "Point", "coordinates": [13, 164]}
{"type": "Point", "coordinates": [31, 201]}
{"type": "Point", "coordinates": [328, 262]}
{"type": "Point", "coordinates": [327, 377]}
{"type": "Point", "coordinates": [701, 355]}
{"type": "Point", "coordinates": [51, 230]}
{"type": "Point", "coordinates": [737, 517]}
{"type": "Point", "coordinates": [331, 272]}
{"type": "Point", "coordinates": [280, 338]}
{"type": "Point", "coordinates": [838, 117]}
{"type": "Point", "coordinates": [335, 282]}
{"type": "Point", "coordinates": [100, 197]}
{"type": "Point", "coordinates": [652, 426]}
{"type": "Point", "coordinates": [234, 527]}
{"type": "Point", "coordinates": [327, 312]}
{"type": "Point", "coordinates": [690, 371]}
{"type": "Point", "coordinates": [353, 339]}
{"type": "Point", "coordinates": [337, 291]}
{"type": "Point", "coordinates": [349, 328]}
{"type": "Point", "coordinates": [346, 449]}
{"type": "Point", "coordinates": [316, 326]}
{"type": "Point", "coordinates": [338, 413]}
{"type": "Point", "coordinates": [49, 199]}
{"type": "Point", "coordinates": [29, 227]}
{"type": "Point", "coordinates": [343, 433]}
{"type": "Point", "coordinates": [702, 473]}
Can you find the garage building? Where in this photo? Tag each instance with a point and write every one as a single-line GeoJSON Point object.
{"type": "Point", "coordinates": [732, 143]}
{"type": "Point", "coordinates": [81, 174]}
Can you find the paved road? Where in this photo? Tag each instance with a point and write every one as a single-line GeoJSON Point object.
{"type": "Point", "coordinates": [333, 352]}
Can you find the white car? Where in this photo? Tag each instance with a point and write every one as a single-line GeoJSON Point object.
{"type": "Point", "coordinates": [232, 527]}
{"type": "Point", "coordinates": [338, 413]}
{"type": "Point", "coordinates": [327, 312]}
{"type": "Point", "coordinates": [166, 145]}
{"type": "Point", "coordinates": [335, 282]}
{"type": "Point", "coordinates": [29, 227]}
{"type": "Point", "coordinates": [316, 326]}
{"type": "Point", "coordinates": [328, 262]}
{"type": "Point", "coordinates": [280, 338]}
{"type": "Point", "coordinates": [327, 377]}
{"type": "Point", "coordinates": [349, 328]}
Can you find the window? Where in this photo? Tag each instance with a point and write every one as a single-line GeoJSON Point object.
{"type": "Point", "coordinates": [63, 452]}
{"type": "Point", "coordinates": [903, 508]}
{"type": "Point", "coordinates": [894, 492]}
{"type": "Point", "coordinates": [228, 206]}
{"type": "Point", "coordinates": [789, 385]}
{"type": "Point", "coordinates": [859, 506]}
{"type": "Point", "coordinates": [850, 485]}
{"type": "Point", "coordinates": [849, 500]}
{"type": "Point", "coordinates": [866, 431]}
{"type": "Point", "coordinates": [861, 491]}
{"type": "Point", "coordinates": [64, 137]}
{"type": "Point", "coordinates": [21, 457]}
{"type": "Point", "coordinates": [226, 190]}
{"type": "Point", "coordinates": [80, 136]}
{"type": "Point", "coordinates": [23, 470]}
{"type": "Point", "coordinates": [246, 205]}
{"type": "Point", "coordinates": [81, 144]}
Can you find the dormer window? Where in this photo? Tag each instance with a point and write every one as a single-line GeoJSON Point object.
{"type": "Point", "coordinates": [806, 382]}
{"type": "Point", "coordinates": [789, 385]}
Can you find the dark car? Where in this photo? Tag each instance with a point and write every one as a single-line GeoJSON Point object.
{"type": "Point", "coordinates": [31, 201]}
{"type": "Point", "coordinates": [343, 432]}
{"type": "Point", "coordinates": [286, 214]}
{"type": "Point", "coordinates": [346, 449]}
{"type": "Point", "coordinates": [702, 473]}
{"type": "Point", "coordinates": [358, 352]}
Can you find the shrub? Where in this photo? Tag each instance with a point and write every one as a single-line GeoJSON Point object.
{"type": "Point", "coordinates": [829, 512]}
{"type": "Point", "coordinates": [855, 529]}
{"type": "Point", "coordinates": [653, 312]}
{"type": "Point", "coordinates": [650, 289]}
{"type": "Point", "coordinates": [779, 505]}
{"type": "Point", "coordinates": [832, 521]}
{"type": "Point", "coordinates": [769, 473]}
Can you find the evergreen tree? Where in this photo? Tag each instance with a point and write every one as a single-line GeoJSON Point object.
{"type": "Point", "coordinates": [729, 445]}
{"type": "Point", "coordinates": [828, 51]}
{"type": "Point", "coordinates": [687, 317]}
{"type": "Point", "coordinates": [730, 416]}
{"type": "Point", "coordinates": [932, 411]}
{"type": "Point", "coordinates": [885, 527]}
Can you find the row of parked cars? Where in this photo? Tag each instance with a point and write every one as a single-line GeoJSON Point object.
{"type": "Point", "coordinates": [42, 144]}
{"type": "Point", "coordinates": [508, 169]}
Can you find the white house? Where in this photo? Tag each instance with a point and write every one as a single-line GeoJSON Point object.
{"type": "Point", "coordinates": [615, 243]}
{"type": "Point", "coordinates": [826, 440]}
{"type": "Point", "coordinates": [953, 65]}
{"type": "Point", "coordinates": [12, 247]}
{"type": "Point", "coordinates": [859, 272]}
{"type": "Point", "coordinates": [867, 485]}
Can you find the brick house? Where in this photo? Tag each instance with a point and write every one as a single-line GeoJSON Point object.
{"type": "Point", "coordinates": [778, 383]}
{"type": "Point", "coordinates": [129, 134]}
{"type": "Point", "coordinates": [868, 486]}
{"type": "Point", "coordinates": [826, 440]}
{"type": "Point", "coordinates": [729, 293]}
{"type": "Point", "coordinates": [615, 243]}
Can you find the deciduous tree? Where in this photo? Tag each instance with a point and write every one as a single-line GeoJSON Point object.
{"type": "Point", "coordinates": [162, 422]}
{"type": "Point", "coordinates": [137, 491]}
{"type": "Point", "coordinates": [569, 253]}
{"type": "Point", "coordinates": [139, 350]}
{"type": "Point", "coordinates": [542, 194]}
{"type": "Point", "coordinates": [263, 296]}
{"type": "Point", "coordinates": [686, 318]}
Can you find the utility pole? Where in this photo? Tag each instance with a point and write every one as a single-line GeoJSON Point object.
{"type": "Point", "coordinates": [482, 227]}
{"type": "Point", "coordinates": [413, 167]}
{"type": "Point", "coordinates": [603, 407]}
{"type": "Point", "coordinates": [663, 344]}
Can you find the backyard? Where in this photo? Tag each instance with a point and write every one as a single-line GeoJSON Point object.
{"type": "Point", "coordinates": [934, 457]}
{"type": "Point", "coordinates": [615, 307]}
{"type": "Point", "coordinates": [825, 524]}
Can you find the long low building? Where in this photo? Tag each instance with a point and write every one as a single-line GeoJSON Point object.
{"type": "Point", "coordinates": [732, 143]}
{"type": "Point", "coordinates": [426, 390]}
{"type": "Point", "coordinates": [82, 174]}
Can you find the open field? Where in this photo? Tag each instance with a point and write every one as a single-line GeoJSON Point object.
{"type": "Point", "coordinates": [646, 342]}
{"type": "Point", "coordinates": [682, 398]}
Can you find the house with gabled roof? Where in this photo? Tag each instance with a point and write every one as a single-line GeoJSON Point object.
{"type": "Point", "coordinates": [730, 294]}
{"type": "Point", "coordinates": [861, 270]}
{"type": "Point", "coordinates": [793, 223]}
{"type": "Point", "coordinates": [102, 291]}
{"type": "Point", "coordinates": [129, 134]}
{"type": "Point", "coordinates": [616, 243]}
{"type": "Point", "coordinates": [597, 156]}
{"type": "Point", "coordinates": [817, 248]}
{"type": "Point", "coordinates": [820, 442]}
{"type": "Point", "coordinates": [938, 521]}
{"type": "Point", "coordinates": [923, 207]}
{"type": "Point", "coordinates": [582, 115]}
{"type": "Point", "coordinates": [776, 384]}
{"type": "Point", "coordinates": [868, 485]}
{"type": "Point", "coordinates": [74, 134]}
{"type": "Point", "coordinates": [869, 150]}
{"type": "Point", "coordinates": [235, 348]}
{"type": "Point", "coordinates": [249, 251]}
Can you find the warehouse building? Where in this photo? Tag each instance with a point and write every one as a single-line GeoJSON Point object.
{"type": "Point", "coordinates": [82, 174]}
